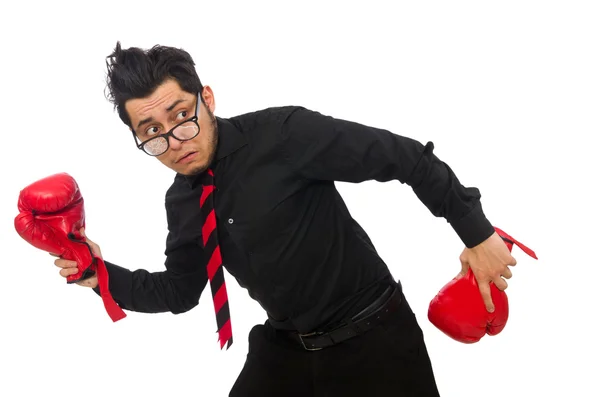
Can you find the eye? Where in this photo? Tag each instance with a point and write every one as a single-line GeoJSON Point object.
{"type": "Point", "coordinates": [182, 115]}
{"type": "Point", "coordinates": [151, 131]}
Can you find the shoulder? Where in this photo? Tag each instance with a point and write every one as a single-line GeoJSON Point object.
{"type": "Point", "coordinates": [179, 192]}
{"type": "Point", "coordinates": [267, 117]}
{"type": "Point", "coordinates": [176, 188]}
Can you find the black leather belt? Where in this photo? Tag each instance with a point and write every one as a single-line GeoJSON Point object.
{"type": "Point", "coordinates": [359, 324]}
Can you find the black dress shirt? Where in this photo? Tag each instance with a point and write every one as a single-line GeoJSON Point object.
{"type": "Point", "coordinates": [284, 230]}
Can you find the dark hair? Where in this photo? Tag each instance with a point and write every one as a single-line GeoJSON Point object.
{"type": "Point", "coordinates": [136, 73]}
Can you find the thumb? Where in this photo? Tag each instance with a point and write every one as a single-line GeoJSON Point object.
{"type": "Point", "coordinates": [95, 248]}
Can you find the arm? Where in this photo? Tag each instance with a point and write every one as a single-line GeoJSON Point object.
{"type": "Point", "coordinates": [324, 148]}
{"type": "Point", "coordinates": [176, 289]}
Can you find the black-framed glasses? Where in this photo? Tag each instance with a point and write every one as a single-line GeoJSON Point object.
{"type": "Point", "coordinates": [183, 131]}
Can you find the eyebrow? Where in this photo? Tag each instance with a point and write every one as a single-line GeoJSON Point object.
{"type": "Point", "coordinates": [149, 119]}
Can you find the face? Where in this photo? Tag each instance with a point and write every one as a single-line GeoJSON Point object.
{"type": "Point", "coordinates": [162, 110]}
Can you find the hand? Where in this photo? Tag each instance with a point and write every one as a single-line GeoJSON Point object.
{"type": "Point", "coordinates": [70, 267]}
{"type": "Point", "coordinates": [489, 261]}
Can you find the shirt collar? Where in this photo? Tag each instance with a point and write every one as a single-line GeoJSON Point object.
{"type": "Point", "coordinates": [230, 140]}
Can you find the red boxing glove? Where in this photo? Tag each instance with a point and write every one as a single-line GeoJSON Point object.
{"type": "Point", "coordinates": [51, 213]}
{"type": "Point", "coordinates": [458, 309]}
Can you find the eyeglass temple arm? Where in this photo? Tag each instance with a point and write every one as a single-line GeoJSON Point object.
{"type": "Point", "coordinates": [134, 138]}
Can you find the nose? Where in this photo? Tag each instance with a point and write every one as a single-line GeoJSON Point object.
{"type": "Point", "coordinates": [174, 143]}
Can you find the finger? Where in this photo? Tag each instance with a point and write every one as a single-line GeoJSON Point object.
{"type": "Point", "coordinates": [501, 283]}
{"type": "Point", "coordinates": [507, 274]}
{"type": "Point", "coordinates": [64, 263]}
{"type": "Point", "coordinates": [464, 265]}
{"type": "Point", "coordinates": [484, 289]}
{"type": "Point", "coordinates": [512, 261]}
{"type": "Point", "coordinates": [54, 255]}
{"type": "Point", "coordinates": [68, 272]}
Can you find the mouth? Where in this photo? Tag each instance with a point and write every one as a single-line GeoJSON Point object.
{"type": "Point", "coordinates": [187, 157]}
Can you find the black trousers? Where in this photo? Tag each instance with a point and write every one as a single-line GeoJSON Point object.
{"type": "Point", "coordinates": [388, 360]}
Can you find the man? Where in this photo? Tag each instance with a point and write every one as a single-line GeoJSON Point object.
{"type": "Point", "coordinates": [338, 324]}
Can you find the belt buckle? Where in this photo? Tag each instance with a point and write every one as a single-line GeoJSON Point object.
{"type": "Point", "coordinates": [304, 345]}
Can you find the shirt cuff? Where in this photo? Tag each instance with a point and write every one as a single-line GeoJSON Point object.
{"type": "Point", "coordinates": [473, 228]}
{"type": "Point", "coordinates": [119, 284]}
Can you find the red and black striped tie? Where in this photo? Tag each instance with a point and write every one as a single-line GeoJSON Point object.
{"type": "Point", "coordinates": [214, 266]}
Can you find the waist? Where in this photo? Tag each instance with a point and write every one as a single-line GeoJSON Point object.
{"type": "Point", "coordinates": [328, 313]}
{"type": "Point", "coordinates": [371, 316]}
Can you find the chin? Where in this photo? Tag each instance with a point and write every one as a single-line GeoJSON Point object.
{"type": "Point", "coordinates": [193, 169]}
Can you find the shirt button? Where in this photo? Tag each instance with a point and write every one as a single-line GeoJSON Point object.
{"type": "Point", "coordinates": [230, 221]}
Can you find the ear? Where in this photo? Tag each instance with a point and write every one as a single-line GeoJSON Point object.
{"type": "Point", "coordinates": [209, 98]}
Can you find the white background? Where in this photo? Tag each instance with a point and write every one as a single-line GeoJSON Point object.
{"type": "Point", "coordinates": [508, 91]}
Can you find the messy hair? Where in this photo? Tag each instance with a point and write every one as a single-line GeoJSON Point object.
{"type": "Point", "coordinates": [136, 73]}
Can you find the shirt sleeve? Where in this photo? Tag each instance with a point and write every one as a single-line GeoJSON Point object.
{"type": "Point", "coordinates": [177, 289]}
{"type": "Point", "coordinates": [320, 147]}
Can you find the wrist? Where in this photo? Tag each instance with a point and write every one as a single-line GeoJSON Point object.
{"type": "Point", "coordinates": [474, 228]}
{"type": "Point", "coordinates": [90, 282]}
